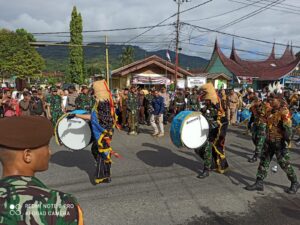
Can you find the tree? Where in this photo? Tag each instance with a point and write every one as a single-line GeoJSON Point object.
{"type": "Point", "coordinates": [27, 35]}
{"type": "Point", "coordinates": [127, 56]}
{"type": "Point", "coordinates": [17, 57]}
{"type": "Point", "coordinates": [76, 64]}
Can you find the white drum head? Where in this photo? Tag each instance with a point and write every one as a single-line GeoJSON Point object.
{"type": "Point", "coordinates": [194, 131]}
{"type": "Point", "coordinates": [74, 133]}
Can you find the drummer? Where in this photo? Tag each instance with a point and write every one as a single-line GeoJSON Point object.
{"type": "Point", "coordinates": [213, 152]}
{"type": "Point", "coordinates": [103, 122]}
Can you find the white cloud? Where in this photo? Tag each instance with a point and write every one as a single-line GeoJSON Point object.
{"type": "Point", "coordinates": [54, 15]}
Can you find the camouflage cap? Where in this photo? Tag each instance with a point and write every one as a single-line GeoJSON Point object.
{"type": "Point", "coordinates": [25, 132]}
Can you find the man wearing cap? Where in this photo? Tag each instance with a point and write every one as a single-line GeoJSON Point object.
{"type": "Point", "coordinates": [55, 106]}
{"type": "Point", "coordinates": [84, 100]}
{"type": "Point", "coordinates": [24, 199]}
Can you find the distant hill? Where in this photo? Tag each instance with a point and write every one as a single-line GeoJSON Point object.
{"type": "Point", "coordinates": [57, 56]}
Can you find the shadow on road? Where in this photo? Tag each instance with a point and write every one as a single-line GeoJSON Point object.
{"type": "Point", "coordinates": [164, 157]}
{"type": "Point", "coordinates": [264, 211]}
{"type": "Point", "coordinates": [238, 153]}
{"type": "Point", "coordinates": [81, 159]}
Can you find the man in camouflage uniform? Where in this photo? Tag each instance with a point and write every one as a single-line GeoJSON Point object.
{"type": "Point", "coordinates": [149, 108]}
{"type": "Point", "coordinates": [132, 108]}
{"type": "Point", "coordinates": [24, 199]}
{"type": "Point", "coordinates": [279, 132]}
{"type": "Point", "coordinates": [54, 106]}
{"type": "Point", "coordinates": [193, 101]}
{"type": "Point", "coordinates": [85, 101]}
{"type": "Point", "coordinates": [179, 102]}
{"type": "Point", "coordinates": [258, 121]}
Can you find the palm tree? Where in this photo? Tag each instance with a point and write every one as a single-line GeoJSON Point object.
{"type": "Point", "coordinates": [127, 55]}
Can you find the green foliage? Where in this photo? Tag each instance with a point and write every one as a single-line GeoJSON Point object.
{"type": "Point", "coordinates": [76, 64]}
{"type": "Point", "coordinates": [127, 55]}
{"type": "Point", "coordinates": [57, 57]}
{"type": "Point", "coordinates": [27, 35]}
{"type": "Point", "coordinates": [17, 57]}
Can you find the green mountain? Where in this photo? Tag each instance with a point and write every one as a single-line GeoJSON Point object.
{"type": "Point", "coordinates": [57, 57]}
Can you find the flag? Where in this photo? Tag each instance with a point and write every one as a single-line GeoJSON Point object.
{"type": "Point", "coordinates": [168, 56]}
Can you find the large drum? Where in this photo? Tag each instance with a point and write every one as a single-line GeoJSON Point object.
{"type": "Point", "coordinates": [245, 115]}
{"type": "Point", "coordinates": [189, 129]}
{"type": "Point", "coordinates": [75, 133]}
{"type": "Point", "coordinates": [296, 119]}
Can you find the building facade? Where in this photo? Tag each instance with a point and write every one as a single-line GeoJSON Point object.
{"type": "Point", "coordinates": [257, 74]}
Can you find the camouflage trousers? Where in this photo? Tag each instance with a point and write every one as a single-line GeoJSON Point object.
{"type": "Point", "coordinates": [275, 148]}
{"type": "Point", "coordinates": [133, 121]}
{"type": "Point", "coordinates": [213, 152]}
{"type": "Point", "coordinates": [205, 153]}
{"type": "Point", "coordinates": [55, 116]}
{"type": "Point", "coordinates": [259, 138]}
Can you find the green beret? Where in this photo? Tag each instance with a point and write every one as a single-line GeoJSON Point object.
{"type": "Point", "coordinates": [25, 132]}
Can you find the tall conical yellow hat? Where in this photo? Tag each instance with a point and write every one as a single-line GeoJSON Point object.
{"type": "Point", "coordinates": [101, 91]}
{"type": "Point", "coordinates": [210, 93]}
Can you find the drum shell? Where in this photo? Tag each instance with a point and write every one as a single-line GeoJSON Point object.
{"type": "Point", "coordinates": [245, 115]}
{"type": "Point", "coordinates": [296, 119]}
{"type": "Point", "coordinates": [189, 129]}
{"type": "Point", "coordinates": [86, 138]}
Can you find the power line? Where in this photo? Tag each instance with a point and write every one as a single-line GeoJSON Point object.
{"type": "Point", "coordinates": [106, 30]}
{"type": "Point", "coordinates": [236, 36]}
{"type": "Point", "coordinates": [275, 8]}
{"type": "Point", "coordinates": [280, 6]}
{"type": "Point", "coordinates": [160, 23]}
{"type": "Point", "coordinates": [222, 14]}
{"type": "Point", "coordinates": [249, 15]}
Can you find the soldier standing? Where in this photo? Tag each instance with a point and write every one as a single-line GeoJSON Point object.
{"type": "Point", "coordinates": [71, 105]}
{"type": "Point", "coordinates": [85, 101]}
{"type": "Point", "coordinates": [132, 107]}
{"type": "Point", "coordinates": [54, 106]}
{"type": "Point", "coordinates": [123, 106]}
{"type": "Point", "coordinates": [179, 102]}
{"type": "Point", "coordinates": [149, 108]}
{"type": "Point", "coordinates": [193, 101]}
{"type": "Point", "coordinates": [279, 132]}
{"type": "Point", "coordinates": [24, 199]}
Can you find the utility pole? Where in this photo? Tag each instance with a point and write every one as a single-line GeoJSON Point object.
{"type": "Point", "coordinates": [107, 62]}
{"type": "Point", "coordinates": [179, 2]}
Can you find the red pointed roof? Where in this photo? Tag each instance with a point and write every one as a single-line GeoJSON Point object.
{"type": "Point", "coordinates": [269, 69]}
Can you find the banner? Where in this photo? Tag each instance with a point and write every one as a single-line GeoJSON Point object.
{"type": "Point", "coordinates": [292, 80]}
{"type": "Point", "coordinates": [181, 83]}
{"type": "Point", "coordinates": [195, 81]}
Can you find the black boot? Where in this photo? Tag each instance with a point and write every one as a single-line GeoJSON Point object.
{"type": "Point", "coordinates": [257, 186]}
{"type": "Point", "coordinates": [293, 189]}
{"type": "Point", "coordinates": [203, 174]}
{"type": "Point", "coordinates": [253, 159]}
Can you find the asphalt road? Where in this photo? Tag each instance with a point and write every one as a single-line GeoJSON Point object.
{"type": "Point", "coordinates": [155, 184]}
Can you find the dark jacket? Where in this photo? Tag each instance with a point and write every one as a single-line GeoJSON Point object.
{"type": "Point", "coordinates": [158, 105]}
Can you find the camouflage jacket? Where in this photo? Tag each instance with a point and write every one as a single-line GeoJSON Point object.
{"type": "Point", "coordinates": [132, 103]}
{"type": "Point", "coordinates": [55, 102]}
{"type": "Point", "coordinates": [85, 102]}
{"type": "Point", "coordinates": [26, 200]}
{"type": "Point", "coordinates": [279, 125]}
